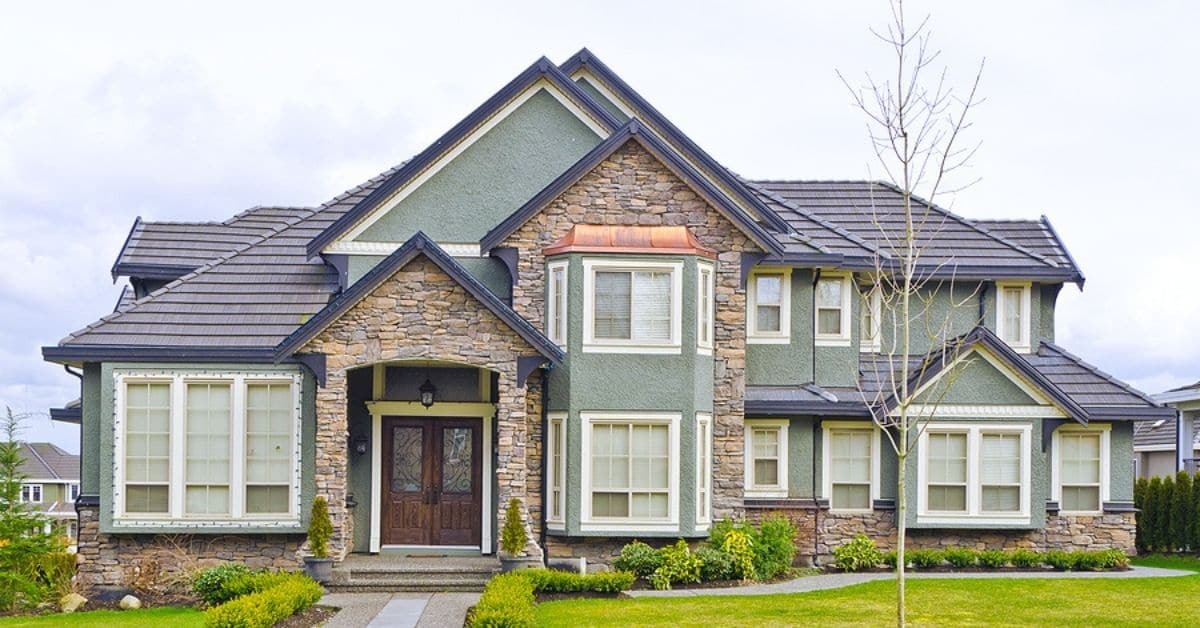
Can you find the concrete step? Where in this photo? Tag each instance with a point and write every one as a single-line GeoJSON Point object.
{"type": "Point", "coordinates": [415, 585]}
{"type": "Point", "coordinates": [392, 576]}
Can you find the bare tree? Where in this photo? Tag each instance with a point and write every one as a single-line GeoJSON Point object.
{"type": "Point", "coordinates": [916, 127]}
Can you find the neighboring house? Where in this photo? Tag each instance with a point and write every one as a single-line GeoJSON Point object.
{"type": "Point", "coordinates": [565, 301]}
{"type": "Point", "coordinates": [51, 484]}
{"type": "Point", "coordinates": [1170, 444]}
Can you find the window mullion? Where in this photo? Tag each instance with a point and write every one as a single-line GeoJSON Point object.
{"type": "Point", "coordinates": [237, 450]}
{"type": "Point", "coordinates": [178, 451]}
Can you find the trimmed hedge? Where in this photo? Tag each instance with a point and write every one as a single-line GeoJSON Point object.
{"type": "Point", "coordinates": [508, 599]}
{"type": "Point", "coordinates": [1169, 520]}
{"type": "Point", "coordinates": [860, 553]}
{"type": "Point", "coordinates": [553, 581]}
{"type": "Point", "coordinates": [289, 595]}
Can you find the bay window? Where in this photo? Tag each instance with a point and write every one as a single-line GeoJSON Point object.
{"type": "Point", "coordinates": [768, 315]}
{"type": "Point", "coordinates": [832, 310]}
{"type": "Point", "coordinates": [630, 471]}
{"type": "Point", "coordinates": [766, 458]}
{"type": "Point", "coordinates": [632, 307]}
{"type": "Point", "coordinates": [207, 448]}
{"type": "Point", "coordinates": [850, 459]}
{"type": "Point", "coordinates": [974, 473]}
{"type": "Point", "coordinates": [556, 469]}
{"type": "Point", "coordinates": [1013, 309]}
{"type": "Point", "coordinates": [1081, 469]}
{"type": "Point", "coordinates": [703, 468]}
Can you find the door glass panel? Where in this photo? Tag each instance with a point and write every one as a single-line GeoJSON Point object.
{"type": "Point", "coordinates": [456, 460]}
{"type": "Point", "coordinates": [407, 454]}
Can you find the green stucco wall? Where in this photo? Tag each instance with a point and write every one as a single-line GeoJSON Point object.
{"type": "Point", "coordinates": [491, 179]}
{"type": "Point", "coordinates": [975, 381]}
{"type": "Point", "coordinates": [90, 431]}
{"type": "Point", "coordinates": [1120, 461]}
{"type": "Point", "coordinates": [792, 363]}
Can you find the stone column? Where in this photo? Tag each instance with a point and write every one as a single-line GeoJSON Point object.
{"type": "Point", "coordinates": [512, 442]}
{"type": "Point", "coordinates": [332, 457]}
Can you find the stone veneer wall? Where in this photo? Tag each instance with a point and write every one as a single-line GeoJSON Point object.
{"type": "Point", "coordinates": [421, 313]}
{"type": "Point", "coordinates": [631, 187]}
{"type": "Point", "coordinates": [120, 560]}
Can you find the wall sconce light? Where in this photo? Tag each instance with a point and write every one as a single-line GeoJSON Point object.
{"type": "Point", "coordinates": [360, 445]}
{"type": "Point", "coordinates": [427, 390]}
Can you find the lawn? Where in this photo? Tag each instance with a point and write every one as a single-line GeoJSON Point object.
{"type": "Point", "coordinates": [165, 617]}
{"type": "Point", "coordinates": [1132, 601]}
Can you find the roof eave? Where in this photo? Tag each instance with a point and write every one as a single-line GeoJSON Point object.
{"type": "Point", "coordinates": [78, 354]}
{"type": "Point", "coordinates": [1078, 277]}
{"type": "Point", "coordinates": [1131, 413]}
{"type": "Point", "coordinates": [815, 408]}
{"type": "Point", "coordinates": [67, 415]}
{"type": "Point", "coordinates": [124, 246]}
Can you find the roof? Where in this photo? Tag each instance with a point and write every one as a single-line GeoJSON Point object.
{"type": "Point", "coordinates": [47, 461]}
{"type": "Point", "coordinates": [1094, 389]}
{"type": "Point", "coordinates": [1159, 434]}
{"type": "Point", "coordinates": [71, 412]}
{"type": "Point", "coordinates": [651, 240]}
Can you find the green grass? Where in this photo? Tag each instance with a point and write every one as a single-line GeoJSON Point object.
{"type": "Point", "coordinates": [1190, 563]}
{"type": "Point", "coordinates": [1017, 602]}
{"type": "Point", "coordinates": [163, 617]}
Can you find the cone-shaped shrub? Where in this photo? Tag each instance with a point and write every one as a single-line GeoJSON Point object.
{"type": "Point", "coordinates": [1150, 513]}
{"type": "Point", "coordinates": [1181, 513]}
{"type": "Point", "coordinates": [1139, 502]}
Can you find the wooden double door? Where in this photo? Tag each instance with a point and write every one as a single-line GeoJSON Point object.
{"type": "Point", "coordinates": [432, 481]}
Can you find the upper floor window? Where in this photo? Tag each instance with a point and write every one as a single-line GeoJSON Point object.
{"type": "Point", "coordinates": [556, 303]}
{"type": "Point", "coordinates": [1081, 469]}
{"type": "Point", "coordinates": [871, 325]}
{"type": "Point", "coordinates": [1013, 313]}
{"type": "Point", "coordinates": [974, 472]}
{"type": "Point", "coordinates": [832, 310]}
{"type": "Point", "coordinates": [851, 464]}
{"type": "Point", "coordinates": [632, 307]}
{"type": "Point", "coordinates": [769, 313]}
{"type": "Point", "coordinates": [766, 457]}
{"type": "Point", "coordinates": [704, 308]}
{"type": "Point", "coordinates": [31, 493]}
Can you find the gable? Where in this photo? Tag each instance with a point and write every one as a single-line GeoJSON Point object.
{"type": "Point", "coordinates": [487, 176]}
{"type": "Point", "coordinates": [601, 95]}
{"type": "Point", "coordinates": [976, 380]}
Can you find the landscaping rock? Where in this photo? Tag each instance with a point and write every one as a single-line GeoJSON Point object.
{"type": "Point", "coordinates": [71, 602]}
{"type": "Point", "coordinates": [130, 602]}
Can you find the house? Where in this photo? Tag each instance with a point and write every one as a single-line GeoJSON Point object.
{"type": "Point", "coordinates": [565, 301]}
{"type": "Point", "coordinates": [51, 484]}
{"type": "Point", "coordinates": [1170, 444]}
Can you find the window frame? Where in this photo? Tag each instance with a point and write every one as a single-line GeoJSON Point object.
{"type": "Point", "coordinates": [32, 487]}
{"type": "Point", "coordinates": [827, 430]}
{"type": "Point", "coordinates": [556, 302]}
{"type": "Point", "coordinates": [784, 335]}
{"type": "Point", "coordinates": [704, 461]}
{"type": "Point", "coordinates": [842, 339]}
{"type": "Point", "coordinates": [974, 512]}
{"type": "Point", "coordinates": [588, 523]}
{"type": "Point", "coordinates": [73, 491]}
{"type": "Point", "coordinates": [1104, 430]}
{"type": "Point", "coordinates": [752, 489]}
{"type": "Point", "coordinates": [556, 471]}
{"type": "Point", "coordinates": [1025, 344]}
{"type": "Point", "coordinates": [870, 341]}
{"type": "Point", "coordinates": [705, 309]}
{"type": "Point", "coordinates": [592, 344]}
{"type": "Point", "coordinates": [176, 507]}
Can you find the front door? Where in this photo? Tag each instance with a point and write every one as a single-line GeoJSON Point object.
{"type": "Point", "coordinates": [431, 481]}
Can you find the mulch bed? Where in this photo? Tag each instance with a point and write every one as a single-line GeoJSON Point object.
{"type": "Point", "coordinates": [315, 616]}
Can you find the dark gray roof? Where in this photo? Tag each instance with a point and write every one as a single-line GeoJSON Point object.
{"type": "Point", "coordinates": [1195, 386]}
{"type": "Point", "coordinates": [126, 299]}
{"type": "Point", "coordinates": [1035, 235]}
{"type": "Point", "coordinates": [873, 212]}
{"type": "Point", "coordinates": [46, 461]}
{"type": "Point", "coordinates": [811, 230]}
{"type": "Point", "coordinates": [1088, 385]}
{"type": "Point", "coordinates": [1155, 433]}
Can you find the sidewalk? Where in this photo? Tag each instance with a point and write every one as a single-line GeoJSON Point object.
{"type": "Point", "coordinates": [399, 610]}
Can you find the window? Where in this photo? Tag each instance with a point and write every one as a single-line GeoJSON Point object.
{"type": "Point", "coordinates": [207, 448]}
{"type": "Point", "coordinates": [766, 458]}
{"type": "Point", "coordinates": [832, 310]}
{"type": "Point", "coordinates": [632, 309]}
{"type": "Point", "coordinates": [704, 308]}
{"type": "Point", "coordinates": [31, 493]}
{"type": "Point", "coordinates": [769, 307]}
{"type": "Point", "coordinates": [631, 471]}
{"type": "Point", "coordinates": [1082, 469]}
{"type": "Point", "coordinates": [871, 325]}
{"type": "Point", "coordinates": [73, 491]}
{"type": "Point", "coordinates": [703, 468]}
{"type": "Point", "coordinates": [556, 303]}
{"type": "Point", "coordinates": [556, 468]}
{"type": "Point", "coordinates": [1013, 313]}
{"type": "Point", "coordinates": [974, 473]}
{"type": "Point", "coordinates": [851, 465]}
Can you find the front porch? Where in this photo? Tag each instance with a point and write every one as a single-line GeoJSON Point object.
{"type": "Point", "coordinates": [398, 571]}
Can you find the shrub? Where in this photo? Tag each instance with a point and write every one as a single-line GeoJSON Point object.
{"type": "Point", "coordinates": [320, 528]}
{"type": "Point", "coordinates": [961, 557]}
{"type": "Point", "coordinates": [609, 581]}
{"type": "Point", "coordinates": [57, 569]}
{"type": "Point", "coordinates": [715, 564]}
{"type": "Point", "coordinates": [857, 554]}
{"type": "Point", "coordinates": [888, 559]}
{"type": "Point", "coordinates": [639, 559]}
{"type": "Point", "coordinates": [775, 547]}
{"type": "Point", "coordinates": [507, 602]}
{"type": "Point", "coordinates": [267, 607]}
{"type": "Point", "coordinates": [512, 537]}
{"type": "Point", "coordinates": [925, 558]}
{"type": "Point", "coordinates": [1082, 560]}
{"type": "Point", "coordinates": [209, 584]}
{"type": "Point", "coordinates": [551, 581]}
{"type": "Point", "coordinates": [719, 530]}
{"type": "Point", "coordinates": [1058, 559]}
{"type": "Point", "coordinates": [679, 565]}
{"type": "Point", "coordinates": [1162, 518]}
{"type": "Point", "coordinates": [1113, 559]}
{"type": "Point", "coordinates": [993, 559]}
{"type": "Point", "coordinates": [1181, 513]}
{"type": "Point", "coordinates": [1139, 502]}
{"type": "Point", "coordinates": [740, 548]}
{"type": "Point", "coordinates": [1024, 558]}
{"type": "Point", "coordinates": [1195, 535]}
{"type": "Point", "coordinates": [1149, 514]}
{"type": "Point", "coordinates": [254, 582]}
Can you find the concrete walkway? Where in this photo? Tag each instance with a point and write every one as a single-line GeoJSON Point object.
{"type": "Point", "coordinates": [399, 610]}
{"type": "Point", "coordinates": [838, 580]}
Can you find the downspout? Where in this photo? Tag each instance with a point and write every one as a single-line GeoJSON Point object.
{"type": "Point", "coordinates": [546, 462]}
{"type": "Point", "coordinates": [67, 368]}
{"type": "Point", "coordinates": [816, 502]}
{"type": "Point", "coordinates": [982, 293]}
{"type": "Point", "coordinates": [812, 321]}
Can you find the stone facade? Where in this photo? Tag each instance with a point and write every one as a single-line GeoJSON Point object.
{"type": "Point", "coordinates": [631, 187]}
{"type": "Point", "coordinates": [128, 561]}
{"type": "Point", "coordinates": [420, 313]}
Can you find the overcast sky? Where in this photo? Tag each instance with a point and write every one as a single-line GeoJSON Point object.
{"type": "Point", "coordinates": [113, 110]}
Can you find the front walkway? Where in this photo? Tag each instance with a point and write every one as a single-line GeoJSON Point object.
{"type": "Point", "coordinates": [399, 610]}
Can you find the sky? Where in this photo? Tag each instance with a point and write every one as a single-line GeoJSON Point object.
{"type": "Point", "coordinates": [174, 111]}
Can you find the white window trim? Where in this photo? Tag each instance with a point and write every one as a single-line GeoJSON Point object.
{"type": "Point", "coordinates": [974, 514]}
{"type": "Point", "coordinates": [871, 342]}
{"type": "Point", "coordinates": [176, 514]}
{"type": "Point", "coordinates": [40, 490]}
{"type": "Point", "coordinates": [1105, 431]}
{"type": "Point", "coordinates": [704, 471]}
{"type": "Point", "coordinates": [705, 348]}
{"type": "Point", "coordinates": [591, 344]}
{"type": "Point", "coordinates": [834, 340]}
{"type": "Point", "coordinates": [784, 335]}
{"type": "Point", "coordinates": [552, 304]}
{"type": "Point", "coordinates": [1026, 344]}
{"type": "Point", "coordinates": [73, 491]}
{"type": "Point", "coordinates": [610, 524]}
{"type": "Point", "coordinates": [754, 490]}
{"type": "Point", "coordinates": [827, 427]}
{"type": "Point", "coordinates": [556, 473]}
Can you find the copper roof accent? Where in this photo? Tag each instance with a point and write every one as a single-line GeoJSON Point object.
{"type": "Point", "coordinates": [674, 240]}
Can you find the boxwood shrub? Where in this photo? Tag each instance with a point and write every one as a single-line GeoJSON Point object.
{"type": "Point", "coordinates": [1024, 558]}
{"type": "Point", "coordinates": [924, 558]}
{"type": "Point", "coordinates": [857, 554]}
{"type": "Point", "coordinates": [961, 557]}
{"type": "Point", "coordinates": [267, 607]}
{"type": "Point", "coordinates": [209, 584]}
{"type": "Point", "coordinates": [639, 559]}
{"type": "Point", "coordinates": [993, 559]}
{"type": "Point", "coordinates": [507, 602]}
